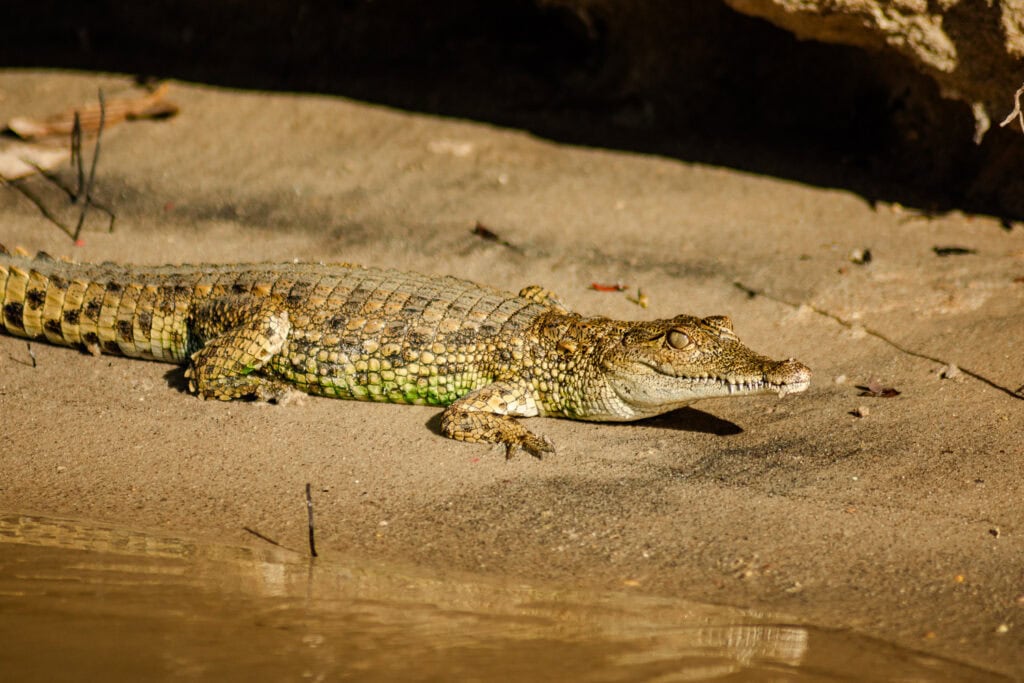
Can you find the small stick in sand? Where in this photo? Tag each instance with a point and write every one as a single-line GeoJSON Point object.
{"type": "Point", "coordinates": [260, 536]}
{"type": "Point", "coordinates": [309, 509]}
{"type": "Point", "coordinates": [76, 155]}
{"type": "Point", "coordinates": [92, 168]}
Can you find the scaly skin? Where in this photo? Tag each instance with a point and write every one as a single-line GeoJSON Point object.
{"type": "Point", "coordinates": [346, 331]}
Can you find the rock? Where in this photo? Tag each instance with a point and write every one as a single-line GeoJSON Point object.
{"type": "Point", "coordinates": [919, 107]}
{"type": "Point", "coordinates": [972, 50]}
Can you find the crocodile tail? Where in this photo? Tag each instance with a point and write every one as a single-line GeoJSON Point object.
{"type": "Point", "coordinates": [31, 300]}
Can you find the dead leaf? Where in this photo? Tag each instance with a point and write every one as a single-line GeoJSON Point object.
{"type": "Point", "coordinates": [953, 251]}
{"type": "Point", "coordinates": [20, 159]}
{"type": "Point", "coordinates": [877, 391]}
{"type": "Point", "coordinates": [641, 299]}
{"type": "Point", "coordinates": [149, 105]}
{"type": "Point", "coordinates": [483, 232]}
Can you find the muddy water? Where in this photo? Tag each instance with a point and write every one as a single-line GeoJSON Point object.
{"type": "Point", "coordinates": [86, 602]}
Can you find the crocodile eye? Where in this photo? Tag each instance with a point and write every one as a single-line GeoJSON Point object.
{"type": "Point", "coordinates": [678, 340]}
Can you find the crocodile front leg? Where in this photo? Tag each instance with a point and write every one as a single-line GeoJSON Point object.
{"type": "Point", "coordinates": [486, 416]}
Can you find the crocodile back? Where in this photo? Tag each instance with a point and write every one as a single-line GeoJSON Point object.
{"type": "Point", "coordinates": [150, 312]}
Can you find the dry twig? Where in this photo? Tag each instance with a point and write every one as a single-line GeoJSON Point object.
{"type": "Point", "coordinates": [1016, 113]}
{"type": "Point", "coordinates": [260, 536]}
{"type": "Point", "coordinates": [751, 293]}
{"type": "Point", "coordinates": [309, 510]}
{"type": "Point", "coordinates": [86, 191]}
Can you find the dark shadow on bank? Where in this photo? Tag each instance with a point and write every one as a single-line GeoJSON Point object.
{"type": "Point", "coordinates": [693, 81]}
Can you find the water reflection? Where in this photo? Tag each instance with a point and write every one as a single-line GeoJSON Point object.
{"type": "Point", "coordinates": [81, 601]}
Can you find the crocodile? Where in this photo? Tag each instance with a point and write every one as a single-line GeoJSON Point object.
{"type": "Point", "coordinates": [347, 331]}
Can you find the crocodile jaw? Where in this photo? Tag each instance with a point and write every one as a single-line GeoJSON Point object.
{"type": "Point", "coordinates": [647, 374]}
{"type": "Point", "coordinates": [648, 393]}
{"type": "Point", "coordinates": [782, 378]}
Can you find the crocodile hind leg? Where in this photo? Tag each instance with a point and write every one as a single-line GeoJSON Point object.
{"type": "Point", "coordinates": [486, 416]}
{"type": "Point", "coordinates": [241, 334]}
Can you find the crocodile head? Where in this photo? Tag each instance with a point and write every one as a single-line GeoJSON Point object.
{"type": "Point", "coordinates": [653, 367]}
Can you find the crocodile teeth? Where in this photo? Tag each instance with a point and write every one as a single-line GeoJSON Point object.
{"type": "Point", "coordinates": [743, 387]}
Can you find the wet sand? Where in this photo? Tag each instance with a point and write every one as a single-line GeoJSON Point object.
{"type": "Point", "coordinates": [904, 524]}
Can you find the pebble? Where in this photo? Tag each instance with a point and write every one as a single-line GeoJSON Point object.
{"type": "Point", "coordinates": [949, 372]}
